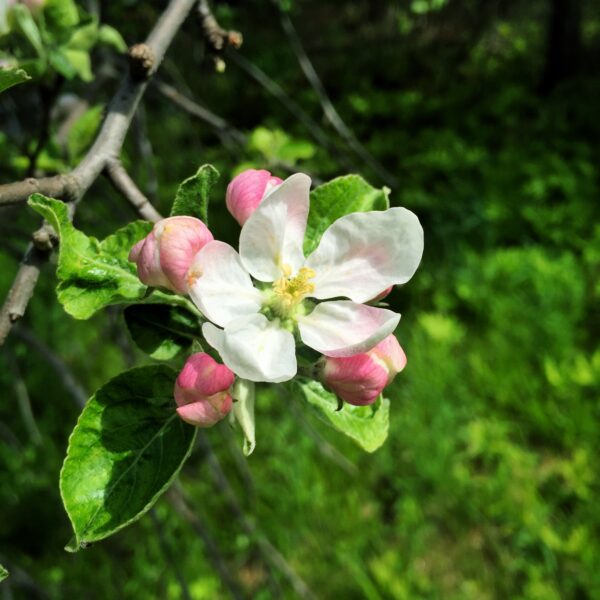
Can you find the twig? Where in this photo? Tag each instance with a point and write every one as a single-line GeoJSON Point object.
{"type": "Point", "coordinates": [315, 130]}
{"type": "Point", "coordinates": [63, 371]}
{"type": "Point", "coordinates": [126, 186]}
{"type": "Point", "coordinates": [144, 147]}
{"type": "Point", "coordinates": [227, 131]}
{"type": "Point", "coordinates": [331, 114]}
{"type": "Point", "coordinates": [199, 111]}
{"type": "Point", "coordinates": [144, 60]}
{"type": "Point", "coordinates": [24, 403]}
{"type": "Point", "coordinates": [179, 502]}
{"type": "Point", "coordinates": [217, 38]}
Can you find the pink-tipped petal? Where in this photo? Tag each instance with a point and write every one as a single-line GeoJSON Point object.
{"type": "Point", "coordinates": [344, 328]}
{"type": "Point", "coordinates": [355, 379]}
{"type": "Point", "coordinates": [181, 238]}
{"type": "Point", "coordinates": [272, 239]}
{"type": "Point", "coordinates": [207, 412]}
{"type": "Point", "coordinates": [363, 253]}
{"type": "Point", "coordinates": [246, 191]}
{"type": "Point", "coordinates": [390, 352]}
{"type": "Point", "coordinates": [202, 390]}
{"type": "Point", "coordinates": [148, 263]}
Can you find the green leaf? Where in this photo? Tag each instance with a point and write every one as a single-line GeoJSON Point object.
{"type": "Point", "coordinates": [111, 37]}
{"type": "Point", "coordinates": [92, 274]}
{"type": "Point", "coordinates": [3, 573]}
{"type": "Point", "coordinates": [61, 14]}
{"type": "Point", "coordinates": [83, 132]}
{"type": "Point", "coordinates": [125, 451]}
{"type": "Point", "coordinates": [28, 27]}
{"type": "Point", "coordinates": [84, 37]}
{"type": "Point", "coordinates": [366, 425]}
{"type": "Point", "coordinates": [192, 195]}
{"type": "Point", "coordinates": [339, 197]}
{"type": "Point", "coordinates": [160, 330]}
{"type": "Point", "coordinates": [80, 62]}
{"type": "Point", "coordinates": [11, 76]}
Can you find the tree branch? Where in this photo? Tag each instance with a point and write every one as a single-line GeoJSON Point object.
{"type": "Point", "coordinates": [126, 186]}
{"type": "Point", "coordinates": [329, 110]}
{"type": "Point", "coordinates": [144, 61]}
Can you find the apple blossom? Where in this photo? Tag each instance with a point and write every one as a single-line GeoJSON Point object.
{"type": "Point", "coordinates": [164, 256]}
{"type": "Point", "coordinates": [255, 328]}
{"type": "Point", "coordinates": [359, 379]}
{"type": "Point", "coordinates": [246, 191]}
{"type": "Point", "coordinates": [202, 391]}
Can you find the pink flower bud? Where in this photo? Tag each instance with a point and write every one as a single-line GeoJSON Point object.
{"type": "Point", "coordinates": [359, 379]}
{"type": "Point", "coordinates": [383, 294]}
{"type": "Point", "coordinates": [246, 191]}
{"type": "Point", "coordinates": [202, 391]}
{"type": "Point", "coordinates": [164, 256]}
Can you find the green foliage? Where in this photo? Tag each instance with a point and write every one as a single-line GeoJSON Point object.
{"type": "Point", "coordinates": [3, 573]}
{"type": "Point", "coordinates": [339, 197]}
{"type": "Point", "coordinates": [366, 425]}
{"type": "Point", "coordinates": [11, 76]}
{"type": "Point", "coordinates": [92, 274]}
{"type": "Point", "coordinates": [193, 194]}
{"type": "Point", "coordinates": [61, 14]}
{"type": "Point", "coordinates": [160, 330]}
{"type": "Point", "coordinates": [127, 448]}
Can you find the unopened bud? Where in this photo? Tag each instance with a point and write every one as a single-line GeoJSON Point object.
{"type": "Point", "coordinates": [164, 256]}
{"type": "Point", "coordinates": [202, 391]}
{"type": "Point", "coordinates": [247, 191]}
{"type": "Point", "coordinates": [361, 378]}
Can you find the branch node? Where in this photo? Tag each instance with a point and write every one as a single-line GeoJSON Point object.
{"type": "Point", "coordinates": [217, 38]}
{"type": "Point", "coordinates": [141, 61]}
{"type": "Point", "coordinates": [45, 238]}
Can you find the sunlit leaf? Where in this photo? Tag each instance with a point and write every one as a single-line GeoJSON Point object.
{"type": "Point", "coordinates": [11, 76]}
{"type": "Point", "coordinates": [193, 194]}
{"type": "Point", "coordinates": [92, 274]}
{"type": "Point", "coordinates": [366, 425]}
{"type": "Point", "coordinates": [337, 198]}
{"type": "Point", "coordinates": [126, 450]}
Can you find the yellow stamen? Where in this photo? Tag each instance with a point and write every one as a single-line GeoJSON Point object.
{"type": "Point", "coordinates": [291, 290]}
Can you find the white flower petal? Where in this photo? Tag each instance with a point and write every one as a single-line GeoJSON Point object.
{"type": "Point", "coordinates": [274, 235]}
{"type": "Point", "coordinates": [220, 285]}
{"type": "Point", "coordinates": [344, 328]}
{"type": "Point", "coordinates": [362, 254]}
{"type": "Point", "coordinates": [255, 348]}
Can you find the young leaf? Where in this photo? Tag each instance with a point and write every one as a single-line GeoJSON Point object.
{"type": "Point", "coordinates": [160, 330]}
{"type": "Point", "coordinates": [111, 37]}
{"type": "Point", "coordinates": [125, 451]}
{"type": "Point", "coordinates": [11, 76]}
{"type": "Point", "coordinates": [192, 195]}
{"type": "Point", "coordinates": [92, 274]}
{"type": "Point", "coordinates": [337, 198]}
{"type": "Point", "coordinates": [366, 425]}
{"type": "Point", "coordinates": [29, 27]}
{"type": "Point", "coordinates": [61, 14]}
{"type": "Point", "coordinates": [3, 573]}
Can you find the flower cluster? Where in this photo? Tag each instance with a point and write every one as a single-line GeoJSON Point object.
{"type": "Point", "coordinates": [268, 299]}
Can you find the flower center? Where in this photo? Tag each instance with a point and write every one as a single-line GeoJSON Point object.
{"type": "Point", "coordinates": [291, 290]}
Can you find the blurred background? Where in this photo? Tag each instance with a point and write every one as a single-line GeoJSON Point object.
{"type": "Point", "coordinates": [482, 117]}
